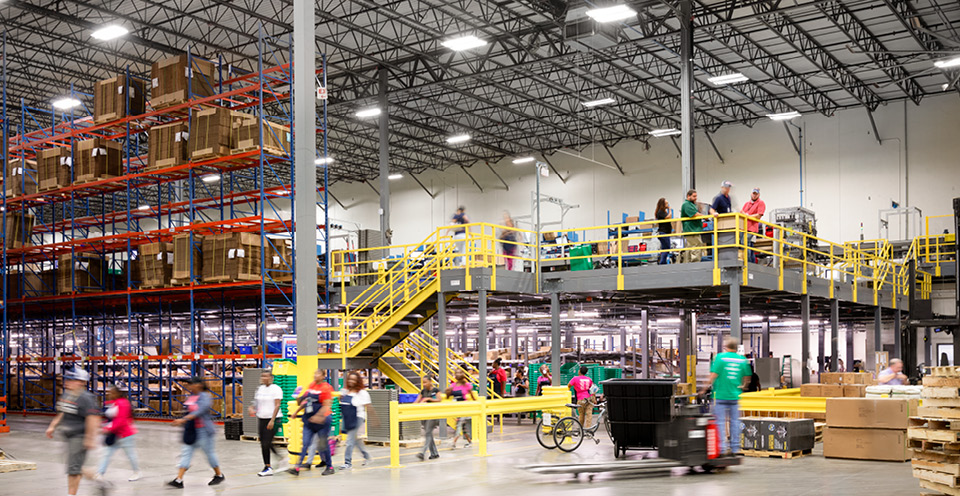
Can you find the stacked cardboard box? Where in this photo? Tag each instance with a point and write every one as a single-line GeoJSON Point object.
{"type": "Point", "coordinates": [246, 135]}
{"type": "Point", "coordinates": [279, 261]}
{"type": "Point", "coordinates": [210, 133]}
{"type": "Point", "coordinates": [54, 168]}
{"type": "Point", "coordinates": [833, 390]}
{"type": "Point", "coordinates": [81, 272]}
{"type": "Point", "coordinates": [18, 230]}
{"type": "Point", "coordinates": [868, 428]}
{"type": "Point", "coordinates": [231, 257]}
{"type": "Point", "coordinates": [177, 79]}
{"type": "Point", "coordinates": [31, 283]}
{"type": "Point", "coordinates": [97, 159]}
{"type": "Point", "coordinates": [782, 435]}
{"type": "Point", "coordinates": [182, 271]}
{"type": "Point", "coordinates": [934, 435]}
{"type": "Point", "coordinates": [110, 98]}
{"type": "Point", "coordinates": [20, 178]}
{"type": "Point", "coordinates": [168, 146]}
{"type": "Point", "coordinates": [156, 265]}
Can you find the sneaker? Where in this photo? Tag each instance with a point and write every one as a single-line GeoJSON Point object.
{"type": "Point", "coordinates": [345, 466]}
{"type": "Point", "coordinates": [216, 480]}
{"type": "Point", "coordinates": [104, 487]}
{"type": "Point", "coordinates": [420, 456]}
{"type": "Point", "coordinates": [266, 472]}
{"type": "Point", "coordinates": [367, 459]}
{"type": "Point", "coordinates": [467, 445]}
{"type": "Point", "coordinates": [434, 457]}
{"type": "Point", "coordinates": [176, 483]}
{"type": "Point", "coordinates": [328, 471]}
{"type": "Point", "coordinates": [134, 477]}
{"type": "Point", "coordinates": [294, 470]}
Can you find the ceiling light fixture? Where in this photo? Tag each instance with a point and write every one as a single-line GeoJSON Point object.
{"type": "Point", "coordinates": [727, 79]}
{"type": "Point", "coordinates": [946, 64]}
{"type": "Point", "coordinates": [323, 161]}
{"type": "Point", "coordinates": [612, 14]}
{"type": "Point", "coordinates": [394, 177]}
{"type": "Point", "coordinates": [66, 103]}
{"type": "Point", "coordinates": [597, 103]}
{"type": "Point", "coordinates": [371, 112]}
{"type": "Point", "coordinates": [460, 138]}
{"type": "Point", "coordinates": [785, 116]}
{"type": "Point", "coordinates": [659, 133]}
{"type": "Point", "coordinates": [464, 43]}
{"type": "Point", "coordinates": [523, 160]}
{"type": "Point", "coordinates": [108, 33]}
{"type": "Point", "coordinates": [211, 178]}
{"type": "Point", "coordinates": [143, 207]}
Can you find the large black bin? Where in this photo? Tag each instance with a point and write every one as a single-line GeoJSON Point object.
{"type": "Point", "coordinates": [635, 408]}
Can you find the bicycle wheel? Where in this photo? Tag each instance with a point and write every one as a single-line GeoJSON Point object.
{"type": "Point", "coordinates": [606, 426]}
{"type": "Point", "coordinates": [545, 435]}
{"type": "Point", "coordinates": [568, 434]}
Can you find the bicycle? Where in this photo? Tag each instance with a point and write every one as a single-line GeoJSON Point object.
{"type": "Point", "coordinates": [569, 433]}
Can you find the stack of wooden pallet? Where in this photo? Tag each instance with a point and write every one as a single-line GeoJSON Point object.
{"type": "Point", "coordinates": [934, 436]}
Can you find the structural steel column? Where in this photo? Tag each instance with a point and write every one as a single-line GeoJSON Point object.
{"type": "Point", "coordinates": [644, 346]}
{"type": "Point", "coordinates": [928, 357]}
{"type": "Point", "coordinates": [687, 166]}
{"type": "Point", "coordinates": [848, 363]}
{"type": "Point", "coordinates": [482, 339]}
{"type": "Point", "coordinates": [515, 336]}
{"type": "Point", "coordinates": [384, 159]}
{"type": "Point", "coordinates": [735, 327]}
{"type": "Point", "coordinates": [555, 338]}
{"type": "Point", "coordinates": [834, 333]}
{"type": "Point", "coordinates": [897, 337]}
{"type": "Point", "coordinates": [568, 341]}
{"type": "Point", "coordinates": [877, 338]}
{"type": "Point", "coordinates": [305, 187]}
{"type": "Point", "coordinates": [805, 338]}
{"type": "Point", "coordinates": [442, 380]}
{"type": "Point", "coordinates": [765, 334]}
{"type": "Point", "coordinates": [821, 349]}
{"type": "Point", "coordinates": [623, 346]}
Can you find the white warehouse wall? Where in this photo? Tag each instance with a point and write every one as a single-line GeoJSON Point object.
{"type": "Point", "coordinates": [849, 177]}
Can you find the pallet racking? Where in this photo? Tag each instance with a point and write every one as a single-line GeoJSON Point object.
{"type": "Point", "coordinates": [149, 340]}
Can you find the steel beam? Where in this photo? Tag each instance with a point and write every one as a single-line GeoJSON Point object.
{"type": "Point", "coordinates": [644, 346]}
{"type": "Point", "coordinates": [384, 159]}
{"type": "Point", "coordinates": [555, 338]}
{"type": "Point", "coordinates": [834, 333]}
{"type": "Point", "coordinates": [482, 340]}
{"type": "Point", "coordinates": [687, 162]}
{"type": "Point", "coordinates": [736, 329]}
{"type": "Point", "coordinates": [805, 338]}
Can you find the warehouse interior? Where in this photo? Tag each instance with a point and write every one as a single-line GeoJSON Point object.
{"type": "Point", "coordinates": [429, 189]}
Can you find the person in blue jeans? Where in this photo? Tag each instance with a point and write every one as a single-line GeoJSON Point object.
{"type": "Point", "coordinates": [199, 432]}
{"type": "Point", "coordinates": [729, 375]}
{"type": "Point", "coordinates": [316, 404]}
{"type": "Point", "coordinates": [354, 407]}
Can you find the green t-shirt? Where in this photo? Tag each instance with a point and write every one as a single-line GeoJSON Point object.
{"type": "Point", "coordinates": [730, 368]}
{"type": "Point", "coordinates": [689, 209]}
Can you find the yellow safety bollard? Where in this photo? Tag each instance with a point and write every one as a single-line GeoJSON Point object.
{"type": "Point", "coordinates": [394, 435]}
{"type": "Point", "coordinates": [482, 423]}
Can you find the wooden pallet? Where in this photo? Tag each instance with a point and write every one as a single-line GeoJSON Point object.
{"type": "Point", "coordinates": [938, 412]}
{"type": "Point", "coordinates": [209, 153]}
{"type": "Point", "coordinates": [818, 428]}
{"type": "Point", "coordinates": [935, 456]}
{"type": "Point", "coordinates": [944, 489]}
{"type": "Point", "coordinates": [945, 371]}
{"type": "Point", "coordinates": [776, 454]}
{"type": "Point", "coordinates": [279, 440]}
{"type": "Point", "coordinates": [945, 479]}
{"type": "Point", "coordinates": [949, 448]}
{"type": "Point", "coordinates": [952, 469]}
{"type": "Point", "coordinates": [239, 278]}
{"type": "Point", "coordinates": [16, 466]}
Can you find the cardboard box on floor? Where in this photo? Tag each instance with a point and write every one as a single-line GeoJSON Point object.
{"type": "Point", "coordinates": [871, 413]}
{"type": "Point", "coordinates": [866, 444]}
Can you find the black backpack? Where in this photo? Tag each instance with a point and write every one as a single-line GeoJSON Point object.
{"type": "Point", "coordinates": [348, 413]}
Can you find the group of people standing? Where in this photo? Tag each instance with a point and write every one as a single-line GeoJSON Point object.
{"type": "Point", "coordinates": [692, 225]}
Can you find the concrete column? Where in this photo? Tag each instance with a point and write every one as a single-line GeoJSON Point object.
{"type": "Point", "coordinates": [765, 338]}
{"type": "Point", "coordinates": [805, 337]}
{"type": "Point", "coordinates": [555, 338]}
{"type": "Point", "coordinates": [644, 345]}
{"type": "Point", "coordinates": [834, 333]}
{"type": "Point", "coordinates": [482, 339]}
{"type": "Point", "coordinates": [736, 330]}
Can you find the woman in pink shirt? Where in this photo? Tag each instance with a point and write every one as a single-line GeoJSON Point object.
{"type": "Point", "coordinates": [461, 390]}
{"type": "Point", "coordinates": [582, 386]}
{"type": "Point", "coordinates": [119, 431]}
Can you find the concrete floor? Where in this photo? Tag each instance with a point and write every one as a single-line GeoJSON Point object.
{"type": "Point", "coordinates": [458, 471]}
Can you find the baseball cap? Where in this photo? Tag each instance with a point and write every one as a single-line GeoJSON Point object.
{"type": "Point", "coordinates": [76, 374]}
{"type": "Point", "coordinates": [726, 184]}
{"type": "Point", "coordinates": [756, 190]}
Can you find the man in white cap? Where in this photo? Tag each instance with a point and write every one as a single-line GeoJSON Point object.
{"type": "Point", "coordinates": [755, 208]}
{"type": "Point", "coordinates": [78, 418]}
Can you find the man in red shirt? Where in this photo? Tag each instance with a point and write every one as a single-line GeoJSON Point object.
{"type": "Point", "coordinates": [755, 208]}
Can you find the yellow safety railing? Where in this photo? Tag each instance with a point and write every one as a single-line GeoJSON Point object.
{"type": "Point", "coordinates": [781, 400]}
{"type": "Point", "coordinates": [553, 398]}
{"type": "Point", "coordinates": [424, 347]}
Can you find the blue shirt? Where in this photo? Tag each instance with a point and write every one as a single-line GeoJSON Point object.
{"type": "Point", "coordinates": [721, 203]}
{"type": "Point", "coordinates": [459, 219]}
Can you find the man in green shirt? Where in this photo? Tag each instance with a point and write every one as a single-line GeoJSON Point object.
{"type": "Point", "coordinates": [692, 227]}
{"type": "Point", "coordinates": [729, 374]}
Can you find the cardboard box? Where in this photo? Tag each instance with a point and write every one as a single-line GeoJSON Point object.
{"type": "Point", "coordinates": [156, 265]}
{"type": "Point", "coordinates": [210, 133]}
{"type": "Point", "coordinates": [168, 146]}
{"type": "Point", "coordinates": [865, 444]}
{"type": "Point", "coordinates": [279, 261]}
{"type": "Point", "coordinates": [787, 434]}
{"type": "Point", "coordinates": [750, 436]}
{"type": "Point", "coordinates": [603, 248]}
{"type": "Point", "coordinates": [176, 79]}
{"type": "Point", "coordinates": [729, 223]}
{"type": "Point", "coordinates": [854, 390]}
{"type": "Point", "coordinates": [831, 378]}
{"type": "Point", "coordinates": [182, 270]}
{"type": "Point", "coordinates": [831, 391]}
{"type": "Point", "coordinates": [20, 178]}
{"type": "Point", "coordinates": [81, 273]}
{"type": "Point", "coordinates": [111, 97]}
{"type": "Point", "coordinates": [811, 391]}
{"type": "Point", "coordinates": [97, 159]}
{"type": "Point", "coordinates": [246, 135]}
{"type": "Point", "coordinates": [18, 230]}
{"type": "Point", "coordinates": [53, 166]}
{"type": "Point", "coordinates": [631, 220]}
{"type": "Point", "coordinates": [870, 413]}
{"type": "Point", "coordinates": [857, 378]}
{"type": "Point", "coordinates": [231, 257]}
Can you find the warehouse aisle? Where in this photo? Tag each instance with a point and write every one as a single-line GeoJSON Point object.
{"type": "Point", "coordinates": [457, 470]}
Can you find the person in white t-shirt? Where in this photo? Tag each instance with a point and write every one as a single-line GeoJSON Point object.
{"type": "Point", "coordinates": [354, 407]}
{"type": "Point", "coordinates": [266, 407]}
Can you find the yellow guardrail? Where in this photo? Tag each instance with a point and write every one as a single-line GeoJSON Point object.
{"type": "Point", "coordinates": [424, 347]}
{"type": "Point", "coordinates": [781, 400]}
{"type": "Point", "coordinates": [553, 398]}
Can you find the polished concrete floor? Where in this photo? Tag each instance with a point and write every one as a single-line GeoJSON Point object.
{"type": "Point", "coordinates": [456, 472]}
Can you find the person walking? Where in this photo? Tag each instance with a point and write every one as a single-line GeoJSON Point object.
{"type": "Point", "coordinates": [664, 229]}
{"type": "Point", "coordinates": [316, 403]}
{"type": "Point", "coordinates": [266, 408]}
{"type": "Point", "coordinates": [729, 375]}
{"type": "Point", "coordinates": [508, 241]}
{"type": "Point", "coordinates": [583, 387]}
{"type": "Point", "coordinates": [428, 394]}
{"type": "Point", "coordinates": [78, 420]}
{"type": "Point", "coordinates": [354, 408]}
{"type": "Point", "coordinates": [198, 432]}
{"type": "Point", "coordinates": [692, 229]}
{"type": "Point", "coordinates": [462, 390]}
{"type": "Point", "coordinates": [459, 233]}
{"type": "Point", "coordinates": [119, 432]}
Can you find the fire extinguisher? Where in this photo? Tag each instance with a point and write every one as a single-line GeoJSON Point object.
{"type": "Point", "coordinates": [643, 247]}
{"type": "Point", "coordinates": [713, 440]}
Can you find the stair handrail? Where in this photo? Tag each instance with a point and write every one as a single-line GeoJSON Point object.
{"type": "Point", "coordinates": [455, 361]}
